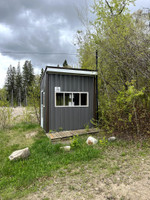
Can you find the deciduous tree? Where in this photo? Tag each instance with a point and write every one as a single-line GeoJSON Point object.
{"type": "Point", "coordinates": [123, 43]}
{"type": "Point", "coordinates": [34, 97]}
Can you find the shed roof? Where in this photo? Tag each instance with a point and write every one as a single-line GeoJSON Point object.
{"type": "Point", "coordinates": [61, 70]}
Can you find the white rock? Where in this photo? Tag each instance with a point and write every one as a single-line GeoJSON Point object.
{"type": "Point", "coordinates": [22, 153]}
{"type": "Point", "coordinates": [66, 148]}
{"type": "Point", "coordinates": [112, 138]}
{"type": "Point", "coordinates": [91, 140]}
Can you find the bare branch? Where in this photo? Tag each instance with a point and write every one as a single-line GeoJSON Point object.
{"type": "Point", "coordinates": [124, 4]}
{"type": "Point", "coordinates": [111, 10]}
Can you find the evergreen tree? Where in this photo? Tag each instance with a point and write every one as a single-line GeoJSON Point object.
{"type": "Point", "coordinates": [42, 72]}
{"type": "Point", "coordinates": [10, 84]}
{"type": "Point", "coordinates": [27, 78]}
{"type": "Point", "coordinates": [65, 64]}
{"type": "Point", "coordinates": [28, 73]}
{"type": "Point", "coordinates": [19, 85]}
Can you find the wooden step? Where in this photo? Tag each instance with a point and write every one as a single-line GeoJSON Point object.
{"type": "Point", "coordinates": [67, 134]}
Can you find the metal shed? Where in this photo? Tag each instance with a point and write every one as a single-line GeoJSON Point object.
{"type": "Point", "coordinates": [68, 98]}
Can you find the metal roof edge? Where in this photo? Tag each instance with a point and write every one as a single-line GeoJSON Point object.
{"type": "Point", "coordinates": [71, 71]}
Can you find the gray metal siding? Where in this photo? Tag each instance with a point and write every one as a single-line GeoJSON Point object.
{"type": "Point", "coordinates": [70, 118]}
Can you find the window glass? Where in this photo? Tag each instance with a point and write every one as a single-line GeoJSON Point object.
{"type": "Point", "coordinates": [59, 99]}
{"type": "Point", "coordinates": [83, 99]}
{"type": "Point", "coordinates": [76, 99]}
{"type": "Point", "coordinates": [68, 99]}
{"type": "Point", "coordinates": [42, 98]}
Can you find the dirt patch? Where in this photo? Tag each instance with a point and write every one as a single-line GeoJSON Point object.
{"type": "Point", "coordinates": [23, 114]}
{"type": "Point", "coordinates": [130, 182]}
{"type": "Point", "coordinates": [30, 135]}
{"type": "Point", "coordinates": [18, 111]}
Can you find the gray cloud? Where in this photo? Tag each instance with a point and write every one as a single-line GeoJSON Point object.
{"type": "Point", "coordinates": [39, 26]}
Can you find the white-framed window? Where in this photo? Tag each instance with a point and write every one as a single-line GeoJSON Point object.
{"type": "Point", "coordinates": [71, 99]}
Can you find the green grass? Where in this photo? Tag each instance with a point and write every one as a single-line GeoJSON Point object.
{"type": "Point", "coordinates": [45, 158]}
{"type": "Point", "coordinates": [18, 178]}
{"type": "Point", "coordinates": [24, 126]}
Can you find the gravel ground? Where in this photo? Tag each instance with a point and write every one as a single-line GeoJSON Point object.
{"type": "Point", "coordinates": [130, 182]}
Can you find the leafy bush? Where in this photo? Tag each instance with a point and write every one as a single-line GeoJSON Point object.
{"type": "Point", "coordinates": [103, 142]}
{"type": "Point", "coordinates": [86, 126]}
{"type": "Point", "coordinates": [127, 113]}
{"type": "Point", "coordinates": [34, 97]}
{"type": "Point", "coordinates": [75, 141]}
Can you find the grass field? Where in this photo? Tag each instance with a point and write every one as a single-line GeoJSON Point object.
{"type": "Point", "coordinates": [47, 163]}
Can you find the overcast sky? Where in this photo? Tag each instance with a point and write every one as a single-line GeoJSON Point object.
{"type": "Point", "coordinates": [47, 27]}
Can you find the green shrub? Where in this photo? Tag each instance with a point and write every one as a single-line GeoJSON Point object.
{"type": "Point", "coordinates": [75, 141]}
{"type": "Point", "coordinates": [86, 126]}
{"type": "Point", "coordinates": [103, 142]}
{"type": "Point", "coordinates": [126, 112]}
{"type": "Point", "coordinates": [5, 110]}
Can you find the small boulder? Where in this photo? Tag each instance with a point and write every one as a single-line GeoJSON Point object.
{"type": "Point", "coordinates": [66, 148]}
{"type": "Point", "coordinates": [22, 153]}
{"type": "Point", "coordinates": [111, 139]}
{"type": "Point", "coordinates": [91, 140]}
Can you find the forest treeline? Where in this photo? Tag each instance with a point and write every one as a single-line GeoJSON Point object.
{"type": "Point", "coordinates": [20, 89]}
{"type": "Point", "coordinates": [18, 85]}
{"type": "Point", "coordinates": [122, 40]}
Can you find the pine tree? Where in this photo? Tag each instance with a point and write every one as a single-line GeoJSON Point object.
{"type": "Point", "coordinates": [19, 85]}
{"type": "Point", "coordinates": [28, 73]}
{"type": "Point", "coordinates": [27, 78]}
{"type": "Point", "coordinates": [42, 72]}
{"type": "Point", "coordinates": [10, 84]}
{"type": "Point", "coordinates": [65, 64]}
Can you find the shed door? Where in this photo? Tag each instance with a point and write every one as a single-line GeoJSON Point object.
{"type": "Point", "coordinates": [42, 107]}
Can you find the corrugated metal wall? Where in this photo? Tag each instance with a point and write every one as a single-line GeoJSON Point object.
{"type": "Point", "coordinates": [70, 118]}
